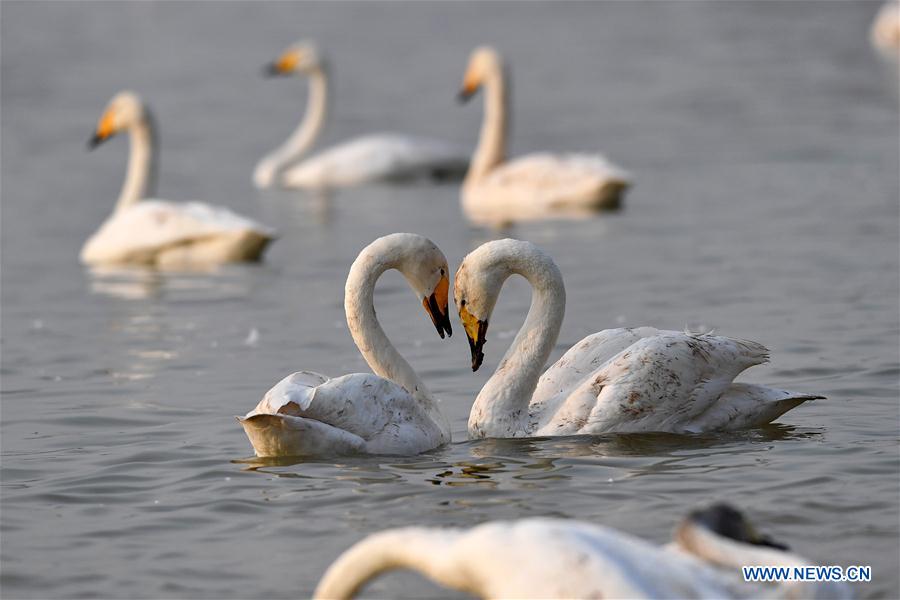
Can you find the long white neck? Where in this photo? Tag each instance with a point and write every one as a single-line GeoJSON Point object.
{"type": "Point", "coordinates": [140, 178]}
{"type": "Point", "coordinates": [491, 150]}
{"type": "Point", "coordinates": [501, 408]}
{"type": "Point", "coordinates": [365, 329]}
{"type": "Point", "coordinates": [304, 136]}
{"type": "Point", "coordinates": [425, 551]}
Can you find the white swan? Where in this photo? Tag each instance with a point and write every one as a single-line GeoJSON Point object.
{"type": "Point", "coordinates": [617, 380]}
{"type": "Point", "coordinates": [559, 558]}
{"type": "Point", "coordinates": [156, 232]}
{"type": "Point", "coordinates": [391, 412]}
{"type": "Point", "coordinates": [533, 186]}
{"type": "Point", "coordinates": [377, 157]}
{"type": "Point", "coordinates": [885, 32]}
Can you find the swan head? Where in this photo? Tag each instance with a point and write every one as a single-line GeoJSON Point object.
{"type": "Point", "coordinates": [476, 288]}
{"type": "Point", "coordinates": [484, 62]}
{"type": "Point", "coordinates": [301, 57]}
{"type": "Point", "coordinates": [421, 263]}
{"type": "Point", "coordinates": [722, 521]}
{"type": "Point", "coordinates": [124, 110]}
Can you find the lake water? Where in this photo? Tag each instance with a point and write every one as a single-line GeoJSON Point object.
{"type": "Point", "coordinates": [763, 137]}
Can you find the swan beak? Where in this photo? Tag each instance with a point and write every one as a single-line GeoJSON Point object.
{"type": "Point", "coordinates": [284, 65]}
{"type": "Point", "coordinates": [95, 141]}
{"type": "Point", "coordinates": [476, 331]}
{"type": "Point", "coordinates": [466, 93]}
{"type": "Point", "coordinates": [436, 307]}
{"type": "Point", "coordinates": [271, 70]}
{"type": "Point", "coordinates": [469, 87]}
{"type": "Point", "coordinates": [105, 130]}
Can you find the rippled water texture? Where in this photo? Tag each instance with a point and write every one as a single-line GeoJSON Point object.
{"type": "Point", "coordinates": [763, 138]}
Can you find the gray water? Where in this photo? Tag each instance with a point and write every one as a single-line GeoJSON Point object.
{"type": "Point", "coordinates": [764, 141]}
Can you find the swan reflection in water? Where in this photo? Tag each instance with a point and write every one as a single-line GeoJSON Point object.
{"type": "Point", "coordinates": [529, 461]}
{"type": "Point", "coordinates": [125, 282]}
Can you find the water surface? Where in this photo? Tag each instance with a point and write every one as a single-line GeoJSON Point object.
{"type": "Point", "coordinates": [763, 138]}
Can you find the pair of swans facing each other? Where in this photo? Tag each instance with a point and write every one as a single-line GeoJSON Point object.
{"type": "Point", "coordinates": [614, 381]}
{"type": "Point", "coordinates": [156, 232]}
{"type": "Point", "coordinates": [559, 558]}
{"type": "Point", "coordinates": [376, 157]}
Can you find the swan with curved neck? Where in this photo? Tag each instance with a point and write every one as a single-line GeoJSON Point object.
{"type": "Point", "coordinates": [616, 380]}
{"type": "Point", "coordinates": [389, 412]}
{"type": "Point", "coordinates": [497, 190]}
{"type": "Point", "coordinates": [559, 558]}
{"type": "Point", "coordinates": [378, 157]}
{"type": "Point", "coordinates": [156, 232]}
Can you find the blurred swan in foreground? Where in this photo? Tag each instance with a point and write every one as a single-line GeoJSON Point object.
{"type": "Point", "coordinates": [157, 232]}
{"type": "Point", "coordinates": [885, 32]}
{"type": "Point", "coordinates": [616, 380]}
{"type": "Point", "coordinates": [560, 558]}
{"type": "Point", "coordinates": [496, 191]}
{"type": "Point", "coordinates": [391, 412]}
{"type": "Point", "coordinates": [383, 156]}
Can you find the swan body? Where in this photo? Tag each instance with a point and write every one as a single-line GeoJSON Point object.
{"type": "Point", "coordinates": [376, 157]}
{"type": "Point", "coordinates": [389, 412]}
{"type": "Point", "coordinates": [157, 232]}
{"type": "Point", "coordinates": [617, 380]}
{"type": "Point", "coordinates": [559, 558]}
{"type": "Point", "coordinates": [536, 185]}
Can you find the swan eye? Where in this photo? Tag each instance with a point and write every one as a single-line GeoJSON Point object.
{"type": "Point", "coordinates": [442, 272]}
{"type": "Point", "coordinates": [462, 302]}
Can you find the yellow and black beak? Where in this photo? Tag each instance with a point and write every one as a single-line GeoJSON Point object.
{"type": "Point", "coordinates": [476, 331]}
{"type": "Point", "coordinates": [283, 65]}
{"type": "Point", "coordinates": [105, 130]}
{"type": "Point", "coordinates": [436, 307]}
{"type": "Point", "coordinates": [467, 91]}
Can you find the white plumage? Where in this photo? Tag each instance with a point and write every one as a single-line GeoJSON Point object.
{"type": "Point", "coordinates": [497, 190]}
{"type": "Point", "coordinates": [617, 380]}
{"type": "Point", "coordinates": [376, 157]}
{"type": "Point", "coordinates": [557, 558]}
{"type": "Point", "coordinates": [390, 412]}
{"type": "Point", "coordinates": [156, 232]}
{"type": "Point", "coordinates": [161, 233]}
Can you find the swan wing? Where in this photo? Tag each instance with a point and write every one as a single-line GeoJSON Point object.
{"type": "Point", "coordinates": [744, 406]}
{"type": "Point", "coordinates": [140, 232]}
{"type": "Point", "coordinates": [360, 412]}
{"type": "Point", "coordinates": [558, 180]}
{"type": "Point", "coordinates": [377, 157]}
{"type": "Point", "coordinates": [658, 383]}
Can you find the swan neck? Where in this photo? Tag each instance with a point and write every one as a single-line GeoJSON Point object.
{"type": "Point", "coordinates": [501, 408]}
{"type": "Point", "coordinates": [491, 150]}
{"type": "Point", "coordinates": [143, 160]}
{"type": "Point", "coordinates": [305, 135]}
{"type": "Point", "coordinates": [427, 552]}
{"type": "Point", "coordinates": [369, 337]}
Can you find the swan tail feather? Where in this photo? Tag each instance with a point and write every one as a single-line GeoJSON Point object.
{"type": "Point", "coordinates": [286, 435]}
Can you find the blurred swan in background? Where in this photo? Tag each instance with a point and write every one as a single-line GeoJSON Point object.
{"type": "Point", "coordinates": [157, 232]}
{"type": "Point", "coordinates": [496, 191]}
{"type": "Point", "coordinates": [390, 412]}
{"type": "Point", "coordinates": [616, 380]}
{"type": "Point", "coordinates": [885, 32]}
{"type": "Point", "coordinates": [560, 558]}
{"type": "Point", "coordinates": [383, 156]}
